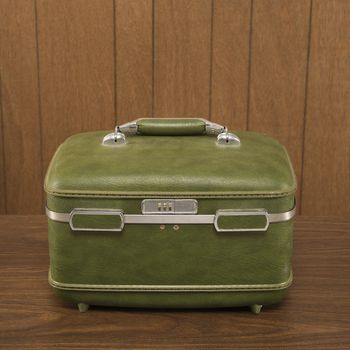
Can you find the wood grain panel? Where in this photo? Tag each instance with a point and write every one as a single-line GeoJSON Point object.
{"type": "Point", "coordinates": [20, 107]}
{"type": "Point", "coordinates": [134, 59]}
{"type": "Point", "coordinates": [278, 73]}
{"type": "Point", "coordinates": [2, 163]}
{"type": "Point", "coordinates": [230, 62]}
{"type": "Point", "coordinates": [326, 183]}
{"type": "Point", "coordinates": [76, 41]}
{"type": "Point", "coordinates": [182, 58]}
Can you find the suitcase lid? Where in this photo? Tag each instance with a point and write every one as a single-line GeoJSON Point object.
{"type": "Point", "coordinates": [170, 157]}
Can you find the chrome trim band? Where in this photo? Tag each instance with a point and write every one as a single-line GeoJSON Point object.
{"type": "Point", "coordinates": [174, 219]}
{"type": "Point", "coordinates": [55, 216]}
{"type": "Point", "coordinates": [168, 219]}
{"type": "Point", "coordinates": [171, 288]}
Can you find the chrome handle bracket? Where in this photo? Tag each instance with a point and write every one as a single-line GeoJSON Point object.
{"type": "Point", "coordinates": [114, 138]}
{"type": "Point", "coordinates": [118, 137]}
{"type": "Point", "coordinates": [213, 128]}
{"type": "Point", "coordinates": [228, 139]}
{"type": "Point", "coordinates": [130, 128]}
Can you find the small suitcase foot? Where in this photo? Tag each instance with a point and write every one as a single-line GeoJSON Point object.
{"type": "Point", "coordinates": [83, 307]}
{"type": "Point", "coordinates": [255, 308]}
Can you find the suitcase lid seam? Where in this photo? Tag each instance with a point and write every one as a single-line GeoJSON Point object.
{"type": "Point", "coordinates": [170, 194]}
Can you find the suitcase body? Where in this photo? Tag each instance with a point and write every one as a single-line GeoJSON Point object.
{"type": "Point", "coordinates": [164, 213]}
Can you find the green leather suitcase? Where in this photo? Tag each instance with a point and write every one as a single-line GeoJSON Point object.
{"type": "Point", "coordinates": [170, 213]}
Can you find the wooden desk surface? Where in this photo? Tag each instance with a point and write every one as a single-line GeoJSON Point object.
{"type": "Point", "coordinates": [315, 315]}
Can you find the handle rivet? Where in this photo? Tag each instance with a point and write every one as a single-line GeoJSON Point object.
{"type": "Point", "coordinates": [176, 227]}
{"type": "Point", "coordinates": [162, 227]}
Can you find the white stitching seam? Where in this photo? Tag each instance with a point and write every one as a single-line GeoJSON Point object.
{"type": "Point", "coordinates": [170, 288]}
{"type": "Point", "coordinates": [168, 194]}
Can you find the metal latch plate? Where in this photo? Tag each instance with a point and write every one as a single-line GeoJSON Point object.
{"type": "Point", "coordinates": [169, 206]}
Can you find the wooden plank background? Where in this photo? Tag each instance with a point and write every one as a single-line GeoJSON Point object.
{"type": "Point", "coordinates": [21, 157]}
{"type": "Point", "coordinates": [280, 67]}
{"type": "Point", "coordinates": [182, 37]}
{"type": "Point", "coordinates": [326, 180]}
{"type": "Point", "coordinates": [133, 59]}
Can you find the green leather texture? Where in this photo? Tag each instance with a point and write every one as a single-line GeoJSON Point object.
{"type": "Point", "coordinates": [192, 255]}
{"type": "Point", "coordinates": [241, 222]}
{"type": "Point", "coordinates": [170, 127]}
{"type": "Point", "coordinates": [170, 166]}
{"type": "Point", "coordinates": [86, 174]}
{"type": "Point", "coordinates": [205, 205]}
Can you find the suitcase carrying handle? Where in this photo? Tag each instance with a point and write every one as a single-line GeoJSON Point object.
{"type": "Point", "coordinates": [171, 127]}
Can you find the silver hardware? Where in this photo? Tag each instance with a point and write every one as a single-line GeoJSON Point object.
{"type": "Point", "coordinates": [238, 212]}
{"type": "Point", "coordinates": [162, 227]}
{"type": "Point", "coordinates": [96, 212]}
{"type": "Point", "coordinates": [131, 128]}
{"type": "Point", "coordinates": [227, 138]}
{"type": "Point", "coordinates": [176, 227]}
{"type": "Point", "coordinates": [115, 138]}
{"type": "Point", "coordinates": [157, 219]}
{"type": "Point", "coordinates": [280, 217]}
{"type": "Point", "coordinates": [169, 206]}
{"type": "Point", "coordinates": [213, 128]}
{"type": "Point", "coordinates": [168, 219]}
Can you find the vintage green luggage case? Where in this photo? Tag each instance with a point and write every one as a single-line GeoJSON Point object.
{"type": "Point", "coordinates": [170, 213]}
